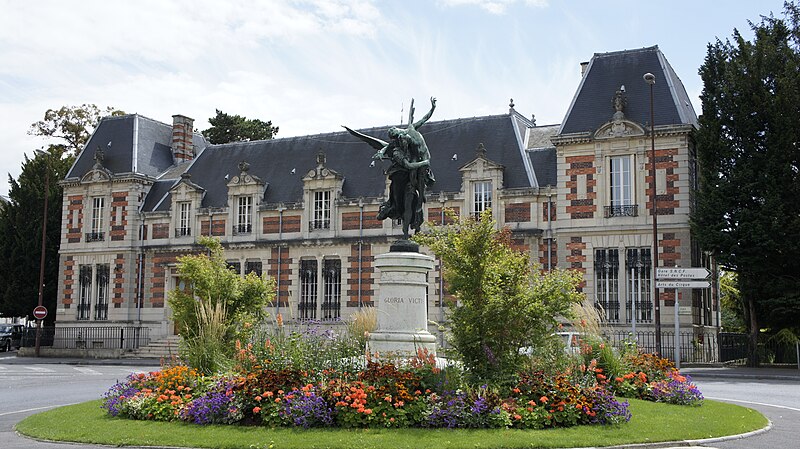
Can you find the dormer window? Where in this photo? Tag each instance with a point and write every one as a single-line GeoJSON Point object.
{"type": "Point", "coordinates": [482, 197]}
{"type": "Point", "coordinates": [98, 209]}
{"type": "Point", "coordinates": [244, 215]}
{"type": "Point", "coordinates": [184, 227]}
{"type": "Point", "coordinates": [322, 210]}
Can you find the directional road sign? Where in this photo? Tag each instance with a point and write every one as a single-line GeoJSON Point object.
{"type": "Point", "coordinates": [681, 273]}
{"type": "Point", "coordinates": [682, 284]}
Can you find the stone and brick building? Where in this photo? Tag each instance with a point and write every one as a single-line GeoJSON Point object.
{"type": "Point", "coordinates": [302, 209]}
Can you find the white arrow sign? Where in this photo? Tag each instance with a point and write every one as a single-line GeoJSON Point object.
{"type": "Point", "coordinates": [682, 284]}
{"type": "Point", "coordinates": [681, 273]}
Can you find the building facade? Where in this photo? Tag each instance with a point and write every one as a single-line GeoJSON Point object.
{"type": "Point", "coordinates": [302, 209]}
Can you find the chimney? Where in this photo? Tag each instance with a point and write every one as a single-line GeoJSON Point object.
{"type": "Point", "coordinates": [182, 131]}
{"type": "Point", "coordinates": [583, 67]}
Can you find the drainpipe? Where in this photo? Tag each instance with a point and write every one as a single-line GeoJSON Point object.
{"type": "Point", "coordinates": [280, 253]}
{"type": "Point", "coordinates": [140, 274]}
{"type": "Point", "coordinates": [360, 242]}
{"type": "Point", "coordinates": [549, 229]}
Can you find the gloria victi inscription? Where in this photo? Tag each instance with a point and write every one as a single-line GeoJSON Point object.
{"type": "Point", "coordinates": [401, 300]}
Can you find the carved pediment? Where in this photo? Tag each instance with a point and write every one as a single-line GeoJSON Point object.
{"type": "Point", "coordinates": [186, 184]}
{"type": "Point", "coordinates": [321, 172]}
{"type": "Point", "coordinates": [244, 178]}
{"type": "Point", "coordinates": [97, 174]}
{"type": "Point", "coordinates": [481, 162]}
{"type": "Point", "coordinates": [619, 127]}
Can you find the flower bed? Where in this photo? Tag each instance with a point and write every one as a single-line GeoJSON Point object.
{"type": "Point", "coordinates": [380, 396]}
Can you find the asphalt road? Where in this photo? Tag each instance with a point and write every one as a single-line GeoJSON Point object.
{"type": "Point", "coordinates": [28, 386]}
{"type": "Point", "coordinates": [778, 400]}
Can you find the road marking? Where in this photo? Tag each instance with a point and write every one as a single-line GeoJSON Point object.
{"type": "Point", "coordinates": [39, 369]}
{"type": "Point", "coordinates": [755, 403]}
{"type": "Point", "coordinates": [88, 371]}
{"type": "Point", "coordinates": [37, 408]}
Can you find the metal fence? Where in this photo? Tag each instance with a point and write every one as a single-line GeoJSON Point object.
{"type": "Point", "coordinates": [694, 348]}
{"type": "Point", "coordinates": [86, 337]}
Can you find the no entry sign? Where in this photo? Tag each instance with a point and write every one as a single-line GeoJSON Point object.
{"type": "Point", "coordinates": [40, 312]}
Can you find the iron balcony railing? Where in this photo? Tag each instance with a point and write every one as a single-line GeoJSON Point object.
{"type": "Point", "coordinates": [629, 210]}
{"type": "Point", "coordinates": [183, 232]}
{"type": "Point", "coordinates": [95, 236]}
{"type": "Point", "coordinates": [316, 225]}
{"type": "Point", "coordinates": [242, 229]}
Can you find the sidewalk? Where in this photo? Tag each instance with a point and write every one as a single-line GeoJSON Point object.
{"type": "Point", "coordinates": [12, 359]}
{"type": "Point", "coordinates": [742, 372]}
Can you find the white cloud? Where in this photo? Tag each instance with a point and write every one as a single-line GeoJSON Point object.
{"type": "Point", "coordinates": [494, 6]}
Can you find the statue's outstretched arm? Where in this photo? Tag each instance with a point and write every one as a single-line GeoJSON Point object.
{"type": "Point", "coordinates": [427, 116]}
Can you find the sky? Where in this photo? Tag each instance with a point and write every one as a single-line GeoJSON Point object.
{"type": "Point", "coordinates": [310, 66]}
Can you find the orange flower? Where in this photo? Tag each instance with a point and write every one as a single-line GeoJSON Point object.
{"type": "Point", "coordinates": [268, 394]}
{"type": "Point", "coordinates": [256, 410]}
{"type": "Point", "coordinates": [367, 411]}
{"type": "Point", "coordinates": [516, 390]}
{"type": "Point", "coordinates": [258, 398]}
{"type": "Point", "coordinates": [517, 417]}
{"type": "Point", "coordinates": [336, 394]}
{"type": "Point", "coordinates": [543, 399]}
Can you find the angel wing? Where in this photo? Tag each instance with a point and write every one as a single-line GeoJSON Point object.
{"type": "Point", "coordinates": [374, 142]}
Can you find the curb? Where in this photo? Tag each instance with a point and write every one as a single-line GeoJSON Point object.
{"type": "Point", "coordinates": [684, 443]}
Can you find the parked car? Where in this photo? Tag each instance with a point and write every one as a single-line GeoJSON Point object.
{"type": "Point", "coordinates": [572, 342]}
{"type": "Point", "coordinates": [10, 336]}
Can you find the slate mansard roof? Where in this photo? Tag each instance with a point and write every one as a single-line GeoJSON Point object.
{"type": "Point", "coordinates": [131, 144]}
{"type": "Point", "coordinates": [282, 163]}
{"type": "Point", "coordinates": [592, 105]}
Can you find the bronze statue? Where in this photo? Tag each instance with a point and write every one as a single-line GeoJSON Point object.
{"type": "Point", "coordinates": [410, 173]}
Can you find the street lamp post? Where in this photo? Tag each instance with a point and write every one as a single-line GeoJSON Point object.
{"type": "Point", "coordinates": [41, 259]}
{"type": "Point", "coordinates": [650, 79]}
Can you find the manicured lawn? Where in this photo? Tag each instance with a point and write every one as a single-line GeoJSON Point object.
{"type": "Point", "coordinates": [651, 422]}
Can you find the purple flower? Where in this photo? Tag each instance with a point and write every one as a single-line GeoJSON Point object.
{"type": "Point", "coordinates": [215, 406]}
{"type": "Point", "coordinates": [115, 397]}
{"type": "Point", "coordinates": [607, 409]}
{"type": "Point", "coordinates": [306, 409]}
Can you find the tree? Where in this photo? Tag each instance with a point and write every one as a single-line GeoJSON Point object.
{"type": "Point", "coordinates": [21, 234]}
{"type": "Point", "coordinates": [504, 303]}
{"type": "Point", "coordinates": [748, 148]}
{"type": "Point", "coordinates": [217, 307]}
{"type": "Point", "coordinates": [71, 125]}
{"type": "Point", "coordinates": [227, 128]}
{"type": "Point", "coordinates": [733, 310]}
{"type": "Point", "coordinates": [21, 219]}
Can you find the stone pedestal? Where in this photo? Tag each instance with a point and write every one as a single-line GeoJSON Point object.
{"type": "Point", "coordinates": [402, 305]}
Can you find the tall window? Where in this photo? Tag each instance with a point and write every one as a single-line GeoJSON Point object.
{"type": "Point", "coordinates": [101, 303]}
{"type": "Point", "coordinates": [638, 267]}
{"type": "Point", "coordinates": [307, 307]}
{"type": "Point", "coordinates": [482, 198]}
{"type": "Point", "coordinates": [244, 212]}
{"type": "Point", "coordinates": [184, 224]}
{"type": "Point", "coordinates": [606, 275]}
{"type": "Point", "coordinates": [235, 266]}
{"type": "Point", "coordinates": [332, 300]}
{"type": "Point", "coordinates": [84, 292]}
{"type": "Point", "coordinates": [252, 266]}
{"type": "Point", "coordinates": [621, 188]}
{"type": "Point", "coordinates": [98, 206]}
{"type": "Point", "coordinates": [322, 210]}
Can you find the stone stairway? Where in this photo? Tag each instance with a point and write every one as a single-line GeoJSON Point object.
{"type": "Point", "coordinates": [164, 348]}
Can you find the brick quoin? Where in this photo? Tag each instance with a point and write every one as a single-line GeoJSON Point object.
{"type": "Point", "coordinates": [367, 280]}
{"type": "Point", "coordinates": [119, 214]}
{"type": "Point", "coordinates": [285, 274]}
{"type": "Point", "coordinates": [581, 208]}
{"type": "Point", "coordinates": [74, 216]}
{"type": "Point", "coordinates": [69, 271]}
{"type": "Point", "coordinates": [552, 210]}
{"type": "Point", "coordinates": [543, 253]}
{"type": "Point", "coordinates": [119, 273]}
